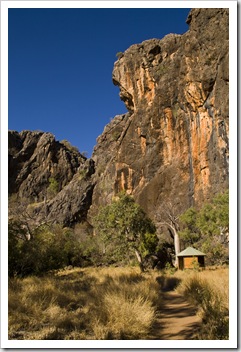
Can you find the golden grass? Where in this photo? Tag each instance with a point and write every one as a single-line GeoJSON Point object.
{"type": "Point", "coordinates": [209, 290]}
{"type": "Point", "coordinates": [111, 303]}
{"type": "Point", "coordinates": [83, 304]}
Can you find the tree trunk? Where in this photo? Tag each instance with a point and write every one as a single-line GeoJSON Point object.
{"type": "Point", "coordinates": [176, 246]}
{"type": "Point", "coordinates": [139, 258]}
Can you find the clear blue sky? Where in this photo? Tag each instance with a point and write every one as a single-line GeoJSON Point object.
{"type": "Point", "coordinates": [61, 62]}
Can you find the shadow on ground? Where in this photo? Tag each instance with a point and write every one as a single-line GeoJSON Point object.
{"type": "Point", "coordinates": [167, 283]}
{"type": "Point", "coordinates": [176, 318]}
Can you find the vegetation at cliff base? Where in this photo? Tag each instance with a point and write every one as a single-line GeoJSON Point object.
{"type": "Point", "coordinates": [123, 236]}
{"type": "Point", "coordinates": [58, 291]}
{"type": "Point", "coordinates": [47, 248]}
{"type": "Point", "coordinates": [125, 230]}
{"type": "Point", "coordinates": [207, 229]}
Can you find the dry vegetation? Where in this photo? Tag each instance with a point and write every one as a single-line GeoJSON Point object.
{"type": "Point", "coordinates": [108, 303]}
{"type": "Point", "coordinates": [83, 304]}
{"type": "Point", "coordinates": [209, 291]}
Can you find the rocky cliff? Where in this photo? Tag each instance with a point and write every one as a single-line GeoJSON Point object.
{"type": "Point", "coordinates": [172, 145]}
{"type": "Point", "coordinates": [36, 158]}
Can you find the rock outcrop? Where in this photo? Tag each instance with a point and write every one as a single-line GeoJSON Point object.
{"type": "Point", "coordinates": [34, 159]}
{"type": "Point", "coordinates": [172, 145]}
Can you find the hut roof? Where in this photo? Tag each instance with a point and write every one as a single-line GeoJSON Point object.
{"type": "Point", "coordinates": [189, 251]}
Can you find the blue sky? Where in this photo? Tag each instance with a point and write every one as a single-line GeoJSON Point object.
{"type": "Point", "coordinates": [61, 62]}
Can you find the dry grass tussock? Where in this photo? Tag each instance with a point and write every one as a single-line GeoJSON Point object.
{"type": "Point", "coordinates": [78, 304]}
{"type": "Point", "coordinates": [111, 303]}
{"type": "Point", "coordinates": [209, 290]}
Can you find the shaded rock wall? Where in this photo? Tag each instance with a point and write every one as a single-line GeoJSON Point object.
{"type": "Point", "coordinates": [34, 158]}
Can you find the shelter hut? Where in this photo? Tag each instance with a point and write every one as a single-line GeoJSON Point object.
{"type": "Point", "coordinates": [190, 258]}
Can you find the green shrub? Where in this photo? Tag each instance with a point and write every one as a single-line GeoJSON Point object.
{"type": "Point", "coordinates": [49, 248]}
{"type": "Point", "coordinates": [53, 187]}
{"type": "Point", "coordinates": [119, 54]}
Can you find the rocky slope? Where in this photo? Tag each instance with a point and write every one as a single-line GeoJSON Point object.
{"type": "Point", "coordinates": [34, 159]}
{"type": "Point", "coordinates": [172, 145]}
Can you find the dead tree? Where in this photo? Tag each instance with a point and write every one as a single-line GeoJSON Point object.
{"type": "Point", "coordinates": [168, 217]}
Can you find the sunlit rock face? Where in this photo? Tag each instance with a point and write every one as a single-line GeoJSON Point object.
{"type": "Point", "coordinates": [172, 145]}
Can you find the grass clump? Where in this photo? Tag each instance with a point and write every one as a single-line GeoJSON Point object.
{"type": "Point", "coordinates": [82, 304]}
{"type": "Point", "coordinates": [209, 291]}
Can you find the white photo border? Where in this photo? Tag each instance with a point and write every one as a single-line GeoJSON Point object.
{"type": "Point", "coordinates": [130, 344]}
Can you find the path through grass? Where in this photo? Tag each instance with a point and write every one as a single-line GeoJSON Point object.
{"type": "Point", "coordinates": [115, 303]}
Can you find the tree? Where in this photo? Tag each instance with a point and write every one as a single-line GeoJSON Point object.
{"type": "Point", "coordinates": [190, 232]}
{"type": "Point", "coordinates": [125, 229]}
{"type": "Point", "coordinates": [214, 216]}
{"type": "Point", "coordinates": [208, 228]}
{"type": "Point", "coordinates": [169, 217]}
{"type": "Point", "coordinates": [50, 247]}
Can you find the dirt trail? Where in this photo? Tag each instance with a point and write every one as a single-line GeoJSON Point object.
{"type": "Point", "coordinates": [177, 319]}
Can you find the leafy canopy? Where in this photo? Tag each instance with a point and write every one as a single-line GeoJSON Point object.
{"type": "Point", "coordinates": [124, 227]}
{"type": "Point", "coordinates": [208, 227]}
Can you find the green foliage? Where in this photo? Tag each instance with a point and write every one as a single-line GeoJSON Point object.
{"type": "Point", "coordinates": [50, 247]}
{"type": "Point", "coordinates": [162, 69]}
{"type": "Point", "coordinates": [204, 229]}
{"type": "Point", "coordinates": [190, 233]}
{"type": "Point", "coordinates": [169, 269]}
{"type": "Point", "coordinates": [16, 238]}
{"type": "Point", "coordinates": [53, 187]}
{"type": "Point", "coordinates": [214, 215]}
{"type": "Point", "coordinates": [82, 174]}
{"type": "Point", "coordinates": [175, 109]}
{"type": "Point", "coordinates": [149, 243]}
{"type": "Point", "coordinates": [119, 54]}
{"type": "Point", "coordinates": [124, 228]}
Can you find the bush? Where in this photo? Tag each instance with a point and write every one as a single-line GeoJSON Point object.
{"type": "Point", "coordinates": [119, 55]}
{"type": "Point", "coordinates": [49, 248]}
{"type": "Point", "coordinates": [53, 187]}
{"type": "Point", "coordinates": [70, 147]}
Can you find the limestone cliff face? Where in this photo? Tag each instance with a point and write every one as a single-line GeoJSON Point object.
{"type": "Point", "coordinates": [173, 143]}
